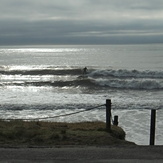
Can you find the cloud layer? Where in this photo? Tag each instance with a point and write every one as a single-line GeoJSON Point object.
{"type": "Point", "coordinates": [80, 21]}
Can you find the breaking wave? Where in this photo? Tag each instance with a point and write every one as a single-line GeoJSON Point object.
{"type": "Point", "coordinates": [127, 73]}
{"type": "Point", "coordinates": [78, 71]}
{"type": "Point", "coordinates": [131, 84]}
{"type": "Point", "coordinates": [72, 77]}
{"type": "Point", "coordinates": [96, 84]}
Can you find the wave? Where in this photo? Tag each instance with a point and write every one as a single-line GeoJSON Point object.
{"type": "Point", "coordinates": [42, 72]}
{"type": "Point", "coordinates": [143, 84]}
{"type": "Point", "coordinates": [90, 83]}
{"type": "Point", "coordinates": [95, 73]}
{"type": "Point", "coordinates": [72, 77]}
{"type": "Point", "coordinates": [85, 82]}
{"type": "Point", "coordinates": [44, 107]}
{"type": "Point", "coordinates": [127, 73]}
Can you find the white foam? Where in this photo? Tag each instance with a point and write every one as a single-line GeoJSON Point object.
{"type": "Point", "coordinates": [147, 84]}
{"type": "Point", "coordinates": [127, 73]}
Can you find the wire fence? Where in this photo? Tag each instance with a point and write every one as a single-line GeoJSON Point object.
{"type": "Point", "coordinates": [57, 116]}
{"type": "Point", "coordinates": [108, 118]}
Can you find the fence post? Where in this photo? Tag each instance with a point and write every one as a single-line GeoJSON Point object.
{"type": "Point", "coordinates": [152, 127]}
{"type": "Point", "coordinates": [115, 122]}
{"type": "Point", "coordinates": [108, 115]}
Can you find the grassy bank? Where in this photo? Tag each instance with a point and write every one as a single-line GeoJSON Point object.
{"type": "Point", "coordinates": [53, 133]}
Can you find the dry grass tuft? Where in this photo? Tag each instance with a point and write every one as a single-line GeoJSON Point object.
{"type": "Point", "coordinates": [53, 133]}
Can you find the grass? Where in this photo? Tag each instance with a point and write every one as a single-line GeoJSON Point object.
{"type": "Point", "coordinates": [40, 133]}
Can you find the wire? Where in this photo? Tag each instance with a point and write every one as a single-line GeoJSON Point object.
{"type": "Point", "coordinates": [63, 115]}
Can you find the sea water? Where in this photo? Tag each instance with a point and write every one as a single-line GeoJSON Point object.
{"type": "Point", "coordinates": [47, 81]}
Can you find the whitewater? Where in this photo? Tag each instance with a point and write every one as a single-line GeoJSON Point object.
{"type": "Point", "coordinates": [47, 81]}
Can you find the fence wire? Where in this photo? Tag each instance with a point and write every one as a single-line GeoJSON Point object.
{"type": "Point", "coordinates": [57, 116]}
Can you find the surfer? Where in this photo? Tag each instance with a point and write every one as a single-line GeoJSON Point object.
{"type": "Point", "coordinates": [85, 70]}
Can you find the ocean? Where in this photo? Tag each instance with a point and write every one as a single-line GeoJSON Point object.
{"type": "Point", "coordinates": [48, 82]}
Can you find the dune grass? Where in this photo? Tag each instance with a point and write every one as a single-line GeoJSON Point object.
{"type": "Point", "coordinates": [42, 133]}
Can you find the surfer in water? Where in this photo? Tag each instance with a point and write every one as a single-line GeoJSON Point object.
{"type": "Point", "coordinates": [85, 70]}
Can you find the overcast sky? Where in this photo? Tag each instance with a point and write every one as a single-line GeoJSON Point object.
{"type": "Point", "coordinates": [81, 21]}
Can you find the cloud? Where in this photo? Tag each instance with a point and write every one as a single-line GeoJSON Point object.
{"type": "Point", "coordinates": [80, 21]}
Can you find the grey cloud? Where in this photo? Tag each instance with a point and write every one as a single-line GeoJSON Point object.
{"type": "Point", "coordinates": [86, 21]}
{"type": "Point", "coordinates": [70, 9]}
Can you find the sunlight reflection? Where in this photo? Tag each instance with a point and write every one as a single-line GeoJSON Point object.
{"type": "Point", "coordinates": [41, 50]}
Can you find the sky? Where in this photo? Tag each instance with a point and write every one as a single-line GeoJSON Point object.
{"type": "Point", "coordinates": [30, 22]}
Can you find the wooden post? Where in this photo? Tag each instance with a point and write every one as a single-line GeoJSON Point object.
{"type": "Point", "coordinates": [115, 122]}
{"type": "Point", "coordinates": [152, 128]}
{"type": "Point", "coordinates": [108, 115]}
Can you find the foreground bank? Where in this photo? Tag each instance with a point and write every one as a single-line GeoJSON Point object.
{"type": "Point", "coordinates": [32, 133]}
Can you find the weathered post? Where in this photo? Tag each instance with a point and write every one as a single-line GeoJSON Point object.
{"type": "Point", "coordinates": [152, 128]}
{"type": "Point", "coordinates": [115, 122]}
{"type": "Point", "coordinates": [108, 115]}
